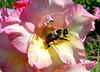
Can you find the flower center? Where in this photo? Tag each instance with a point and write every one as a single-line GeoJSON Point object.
{"type": "Point", "coordinates": [54, 36]}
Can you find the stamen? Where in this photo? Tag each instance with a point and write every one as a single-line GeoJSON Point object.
{"type": "Point", "coordinates": [48, 19]}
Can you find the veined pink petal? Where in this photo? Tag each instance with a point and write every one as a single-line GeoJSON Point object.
{"type": "Point", "coordinates": [36, 10]}
{"type": "Point", "coordinates": [72, 51]}
{"type": "Point", "coordinates": [16, 63]}
{"type": "Point", "coordinates": [9, 54]}
{"type": "Point", "coordinates": [6, 49]}
{"type": "Point", "coordinates": [82, 22]}
{"type": "Point", "coordinates": [46, 59]}
{"type": "Point", "coordinates": [79, 67]}
{"type": "Point", "coordinates": [15, 16]}
{"type": "Point", "coordinates": [5, 43]}
{"type": "Point", "coordinates": [97, 12]}
{"type": "Point", "coordinates": [18, 36]}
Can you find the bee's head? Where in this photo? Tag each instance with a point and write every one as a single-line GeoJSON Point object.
{"type": "Point", "coordinates": [65, 32]}
{"type": "Point", "coordinates": [59, 31]}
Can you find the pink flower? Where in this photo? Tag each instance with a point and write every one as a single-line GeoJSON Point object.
{"type": "Point", "coordinates": [27, 28]}
{"type": "Point", "coordinates": [97, 12]}
{"type": "Point", "coordinates": [11, 59]}
{"type": "Point", "coordinates": [79, 67]}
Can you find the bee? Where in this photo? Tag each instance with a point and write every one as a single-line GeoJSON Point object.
{"type": "Point", "coordinates": [59, 33]}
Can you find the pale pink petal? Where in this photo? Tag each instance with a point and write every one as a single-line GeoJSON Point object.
{"type": "Point", "coordinates": [72, 51]}
{"type": "Point", "coordinates": [82, 22]}
{"type": "Point", "coordinates": [15, 16]}
{"type": "Point", "coordinates": [87, 67]}
{"type": "Point", "coordinates": [63, 19]}
{"type": "Point", "coordinates": [2, 23]}
{"type": "Point", "coordinates": [3, 56]}
{"type": "Point", "coordinates": [9, 54]}
{"type": "Point", "coordinates": [97, 12]}
{"type": "Point", "coordinates": [6, 49]}
{"type": "Point", "coordinates": [59, 20]}
{"type": "Point", "coordinates": [5, 43]}
{"type": "Point", "coordinates": [41, 57]}
{"type": "Point", "coordinates": [50, 6]}
{"type": "Point", "coordinates": [11, 61]}
{"type": "Point", "coordinates": [29, 68]}
{"type": "Point", "coordinates": [16, 63]}
{"type": "Point", "coordinates": [5, 12]}
{"type": "Point", "coordinates": [37, 10]}
{"type": "Point", "coordinates": [18, 36]}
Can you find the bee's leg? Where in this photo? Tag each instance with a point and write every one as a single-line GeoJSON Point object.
{"type": "Point", "coordinates": [48, 46]}
{"type": "Point", "coordinates": [64, 39]}
{"type": "Point", "coordinates": [65, 36]}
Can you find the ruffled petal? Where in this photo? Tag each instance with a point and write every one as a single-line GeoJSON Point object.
{"type": "Point", "coordinates": [14, 17]}
{"type": "Point", "coordinates": [97, 12]}
{"type": "Point", "coordinates": [71, 51]}
{"type": "Point", "coordinates": [16, 63]}
{"type": "Point", "coordinates": [79, 67]}
{"type": "Point", "coordinates": [3, 56]}
{"type": "Point", "coordinates": [82, 22]}
{"type": "Point", "coordinates": [5, 12]}
{"type": "Point", "coordinates": [41, 56]}
{"type": "Point", "coordinates": [6, 49]}
{"type": "Point", "coordinates": [36, 11]}
{"type": "Point", "coordinates": [5, 43]}
{"type": "Point", "coordinates": [18, 36]}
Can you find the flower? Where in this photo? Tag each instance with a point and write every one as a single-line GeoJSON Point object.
{"type": "Point", "coordinates": [79, 67]}
{"type": "Point", "coordinates": [27, 28]}
{"type": "Point", "coordinates": [11, 60]}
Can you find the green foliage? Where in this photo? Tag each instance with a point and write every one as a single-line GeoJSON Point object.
{"type": "Point", "coordinates": [88, 4]}
{"type": "Point", "coordinates": [92, 46]}
{"type": "Point", "coordinates": [6, 3]}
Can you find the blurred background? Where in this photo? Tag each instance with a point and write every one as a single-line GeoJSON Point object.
{"type": "Point", "coordinates": [92, 42]}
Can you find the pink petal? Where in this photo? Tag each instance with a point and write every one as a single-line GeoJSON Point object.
{"type": "Point", "coordinates": [5, 42]}
{"type": "Point", "coordinates": [36, 10]}
{"type": "Point", "coordinates": [5, 12]}
{"type": "Point", "coordinates": [3, 56]}
{"type": "Point", "coordinates": [71, 52]}
{"type": "Point", "coordinates": [82, 22]}
{"type": "Point", "coordinates": [18, 36]}
{"type": "Point", "coordinates": [6, 49]}
{"type": "Point", "coordinates": [46, 59]}
{"type": "Point", "coordinates": [97, 12]}
{"type": "Point", "coordinates": [9, 54]}
{"type": "Point", "coordinates": [16, 63]}
{"type": "Point", "coordinates": [79, 67]}
{"type": "Point", "coordinates": [15, 16]}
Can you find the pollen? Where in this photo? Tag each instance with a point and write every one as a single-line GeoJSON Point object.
{"type": "Point", "coordinates": [51, 43]}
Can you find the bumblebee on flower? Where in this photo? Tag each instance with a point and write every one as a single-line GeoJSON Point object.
{"type": "Point", "coordinates": [50, 33]}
